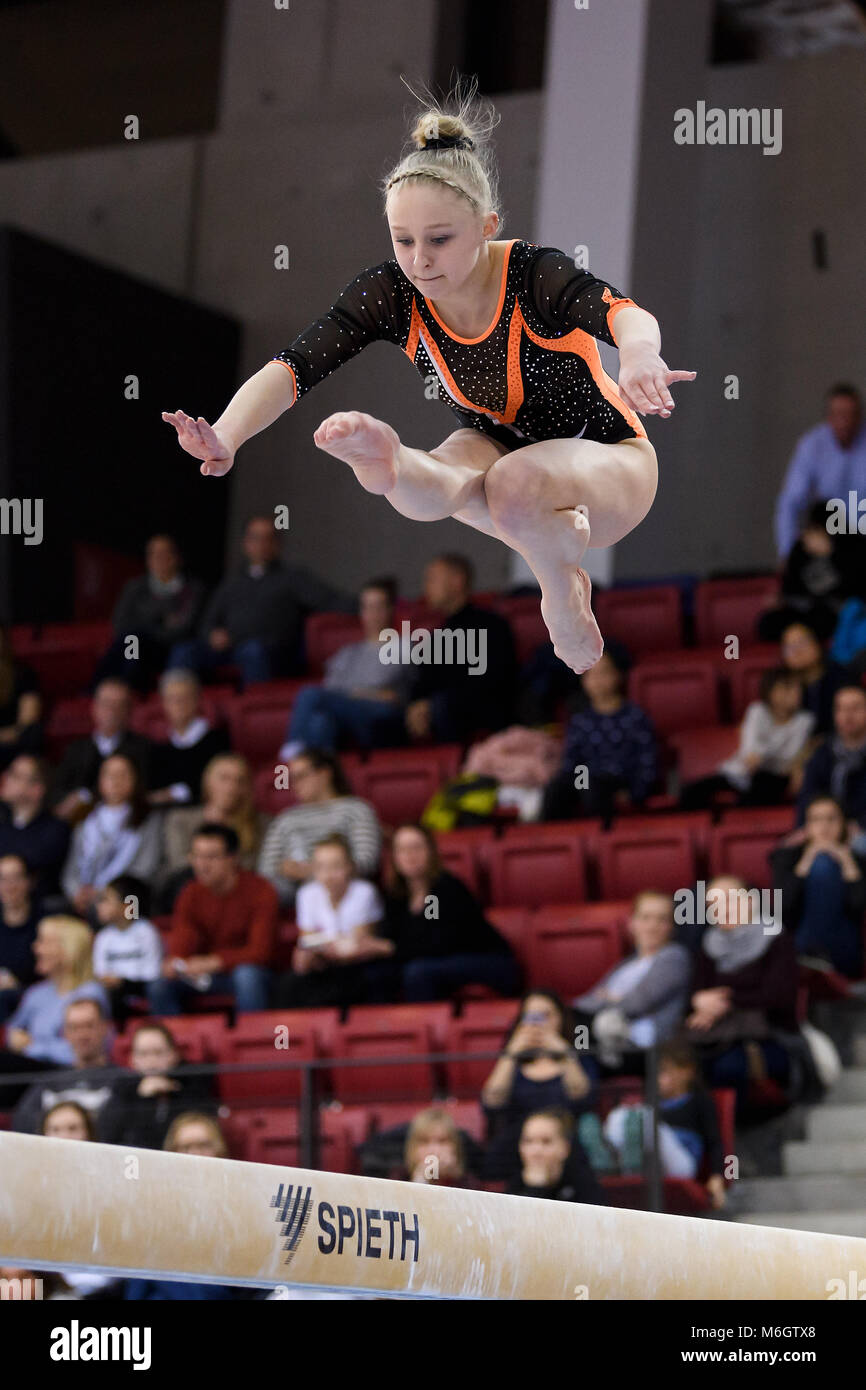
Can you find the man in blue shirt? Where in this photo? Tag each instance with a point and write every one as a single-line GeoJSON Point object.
{"type": "Point", "coordinates": [829, 461]}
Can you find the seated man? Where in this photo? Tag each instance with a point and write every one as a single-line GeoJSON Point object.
{"type": "Point", "coordinates": [27, 828]}
{"type": "Point", "coordinates": [87, 1082]}
{"type": "Point", "coordinates": [255, 616]}
{"type": "Point", "coordinates": [74, 786]}
{"type": "Point", "coordinates": [158, 608]}
{"type": "Point", "coordinates": [453, 699]}
{"type": "Point", "coordinates": [178, 763]}
{"type": "Point", "coordinates": [361, 696]}
{"type": "Point", "coordinates": [223, 932]}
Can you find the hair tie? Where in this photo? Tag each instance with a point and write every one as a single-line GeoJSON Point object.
{"type": "Point", "coordinates": [450, 142]}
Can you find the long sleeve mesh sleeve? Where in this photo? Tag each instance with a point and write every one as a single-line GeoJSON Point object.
{"type": "Point", "coordinates": [566, 298]}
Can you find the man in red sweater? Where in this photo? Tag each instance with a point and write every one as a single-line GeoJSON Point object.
{"type": "Point", "coordinates": [223, 932]}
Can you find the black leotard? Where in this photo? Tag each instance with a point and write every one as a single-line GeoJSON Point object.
{"type": "Point", "coordinates": [535, 374]}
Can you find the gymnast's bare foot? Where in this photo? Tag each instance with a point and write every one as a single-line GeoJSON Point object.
{"type": "Point", "coordinates": [565, 597]}
{"type": "Point", "coordinates": [369, 446]}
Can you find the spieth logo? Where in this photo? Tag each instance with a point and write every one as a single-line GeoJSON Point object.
{"type": "Point", "coordinates": [293, 1212]}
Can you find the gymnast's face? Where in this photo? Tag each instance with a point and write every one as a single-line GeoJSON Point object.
{"type": "Point", "coordinates": [438, 236]}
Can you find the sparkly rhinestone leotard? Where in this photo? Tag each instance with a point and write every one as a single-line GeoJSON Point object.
{"type": "Point", "coordinates": [534, 374]}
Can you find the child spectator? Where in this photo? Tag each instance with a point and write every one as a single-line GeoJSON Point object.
{"type": "Point", "coordinates": [688, 1128]}
{"type": "Point", "coordinates": [774, 738]}
{"type": "Point", "coordinates": [552, 1162]}
{"type": "Point", "coordinates": [613, 740]}
{"type": "Point", "coordinates": [337, 914]}
{"type": "Point", "coordinates": [127, 950]}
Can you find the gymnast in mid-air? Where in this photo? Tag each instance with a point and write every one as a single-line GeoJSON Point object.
{"type": "Point", "coordinates": [550, 456]}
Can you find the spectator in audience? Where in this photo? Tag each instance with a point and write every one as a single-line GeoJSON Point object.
{"type": "Point", "coordinates": [452, 700]}
{"type": "Point", "coordinates": [435, 1151]}
{"type": "Point", "coordinates": [360, 697]}
{"type": "Point", "coordinates": [838, 767]}
{"type": "Point", "coordinates": [127, 951]}
{"type": "Point", "coordinates": [76, 778]}
{"type": "Point", "coordinates": [817, 579]}
{"type": "Point", "coordinates": [642, 1000]}
{"type": "Point", "coordinates": [20, 706]}
{"type": "Point", "coordinates": [538, 1068]}
{"type": "Point", "coordinates": [688, 1127]}
{"type": "Point", "coordinates": [774, 739]}
{"type": "Point", "coordinates": [20, 914]}
{"type": "Point", "coordinates": [254, 617]}
{"type": "Point", "coordinates": [63, 951]}
{"type": "Point", "coordinates": [27, 828]}
{"type": "Point", "coordinates": [337, 915]}
{"type": "Point", "coordinates": [820, 678]}
{"type": "Point", "coordinates": [610, 760]}
{"type": "Point", "coordinates": [69, 1120]}
{"type": "Point", "coordinates": [223, 932]}
{"type": "Point", "coordinates": [158, 609]}
{"type": "Point", "coordinates": [190, 1133]}
{"type": "Point", "coordinates": [118, 836]}
{"type": "Point", "coordinates": [823, 887]}
{"type": "Point", "coordinates": [143, 1105]}
{"type": "Point", "coordinates": [326, 807]}
{"type": "Point", "coordinates": [744, 993]}
{"type": "Point", "coordinates": [441, 938]}
{"type": "Point", "coordinates": [829, 461]}
{"type": "Point", "coordinates": [88, 1081]}
{"type": "Point", "coordinates": [552, 1161]}
{"type": "Point", "coordinates": [226, 799]}
{"type": "Point", "coordinates": [179, 762]}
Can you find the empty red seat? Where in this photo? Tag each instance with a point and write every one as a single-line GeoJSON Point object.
{"type": "Point", "coordinates": [523, 614]}
{"type": "Point", "coordinates": [463, 853]}
{"type": "Point", "coordinates": [528, 869]}
{"type": "Point", "coordinates": [513, 924]}
{"type": "Point", "coordinates": [269, 1036]}
{"type": "Point", "coordinates": [325, 633]}
{"type": "Point", "coordinates": [389, 1031]}
{"type": "Point", "coordinates": [744, 849]}
{"type": "Point", "coordinates": [258, 719]}
{"type": "Point", "coordinates": [570, 948]}
{"type": "Point", "coordinates": [644, 620]}
{"type": "Point", "coordinates": [700, 751]}
{"type": "Point", "coordinates": [470, 1035]}
{"type": "Point", "coordinates": [400, 782]}
{"type": "Point", "coordinates": [680, 695]}
{"type": "Point", "coordinates": [68, 719]}
{"type": "Point", "coordinates": [731, 607]}
{"type": "Point", "coordinates": [644, 853]}
{"type": "Point", "coordinates": [275, 1137]}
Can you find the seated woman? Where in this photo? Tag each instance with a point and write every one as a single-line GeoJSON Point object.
{"type": "Point", "coordinates": [227, 799]}
{"type": "Point", "coordinates": [823, 886]}
{"type": "Point", "coordinates": [552, 1162]}
{"type": "Point", "coordinates": [642, 1000]}
{"type": "Point", "coordinates": [820, 677]}
{"type": "Point", "coordinates": [119, 836]}
{"type": "Point", "coordinates": [610, 760]}
{"type": "Point", "coordinates": [440, 935]}
{"type": "Point", "coordinates": [20, 706]}
{"type": "Point", "coordinates": [435, 1151]}
{"type": "Point", "coordinates": [143, 1105]}
{"type": "Point", "coordinates": [325, 806]}
{"type": "Point", "coordinates": [538, 1068]}
{"type": "Point", "coordinates": [68, 1120]}
{"type": "Point", "coordinates": [774, 740]}
{"type": "Point", "coordinates": [744, 993]}
{"type": "Point", "coordinates": [337, 914]}
{"type": "Point", "coordinates": [688, 1128]}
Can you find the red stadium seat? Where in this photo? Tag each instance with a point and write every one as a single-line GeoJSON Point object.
{"type": "Point", "coordinates": [258, 719]}
{"type": "Point", "coordinates": [474, 1034]}
{"type": "Point", "coordinates": [570, 948]}
{"type": "Point", "coordinates": [731, 607]}
{"type": "Point", "coordinates": [528, 869]}
{"type": "Point", "coordinates": [325, 633]}
{"type": "Point", "coordinates": [744, 675]}
{"type": "Point", "coordinates": [778, 818]}
{"type": "Point", "coordinates": [644, 620]}
{"type": "Point", "coordinates": [69, 719]}
{"type": "Point", "coordinates": [389, 1031]}
{"type": "Point", "coordinates": [463, 852]}
{"type": "Point", "coordinates": [699, 751]}
{"type": "Point", "coordinates": [523, 614]}
{"type": "Point", "coordinates": [643, 853]}
{"type": "Point", "coordinates": [743, 849]}
{"type": "Point", "coordinates": [63, 655]}
{"type": "Point", "coordinates": [199, 1037]}
{"type": "Point", "coordinates": [466, 1114]}
{"type": "Point", "coordinates": [680, 695]}
{"type": "Point", "coordinates": [275, 1137]}
{"type": "Point", "coordinates": [254, 1039]}
{"type": "Point", "coordinates": [513, 924]}
{"type": "Point", "coordinates": [400, 782]}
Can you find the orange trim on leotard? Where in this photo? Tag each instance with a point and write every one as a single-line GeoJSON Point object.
{"type": "Point", "coordinates": [615, 306]}
{"type": "Point", "coordinates": [289, 368]}
{"type": "Point", "coordinates": [585, 346]}
{"type": "Point", "coordinates": [488, 330]}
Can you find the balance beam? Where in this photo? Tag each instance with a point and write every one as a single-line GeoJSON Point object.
{"type": "Point", "coordinates": [71, 1205]}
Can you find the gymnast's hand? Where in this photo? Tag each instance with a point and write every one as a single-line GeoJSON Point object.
{"type": "Point", "coordinates": [202, 441]}
{"type": "Point", "coordinates": [644, 381]}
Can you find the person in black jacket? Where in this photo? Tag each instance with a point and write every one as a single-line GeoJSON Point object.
{"type": "Point", "coordinates": [158, 608]}
{"type": "Point", "coordinates": [821, 572]}
{"type": "Point", "coordinates": [27, 828]}
{"type": "Point", "coordinates": [473, 686]}
{"type": "Point", "coordinates": [441, 937]}
{"type": "Point", "coordinates": [838, 767]}
{"type": "Point", "coordinates": [143, 1105]}
{"type": "Point", "coordinates": [178, 763]}
{"type": "Point", "coordinates": [823, 886]}
{"type": "Point", "coordinates": [553, 1163]}
{"type": "Point", "coordinates": [75, 781]}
